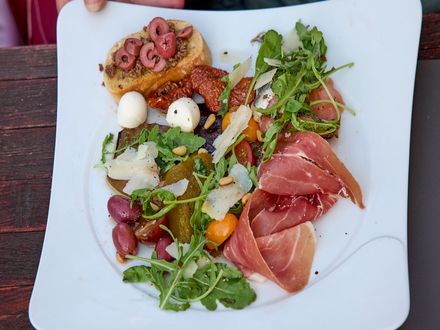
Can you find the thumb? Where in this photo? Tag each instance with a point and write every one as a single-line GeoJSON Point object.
{"type": "Point", "coordinates": [95, 5]}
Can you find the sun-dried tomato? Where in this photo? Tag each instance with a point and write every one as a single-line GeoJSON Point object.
{"type": "Point", "coordinates": [206, 81]}
{"type": "Point", "coordinates": [239, 92]}
{"type": "Point", "coordinates": [166, 94]}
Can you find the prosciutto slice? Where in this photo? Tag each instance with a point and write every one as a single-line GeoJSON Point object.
{"type": "Point", "coordinates": [274, 235]}
{"type": "Point", "coordinates": [284, 257]}
{"type": "Point", "coordinates": [274, 213]}
{"type": "Point", "coordinates": [326, 111]}
{"type": "Point", "coordinates": [304, 163]}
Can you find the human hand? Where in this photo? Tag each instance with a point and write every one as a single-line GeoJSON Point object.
{"type": "Point", "coordinates": [96, 5]}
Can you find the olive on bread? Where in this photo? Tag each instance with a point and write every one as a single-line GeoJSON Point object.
{"type": "Point", "coordinates": [165, 50]}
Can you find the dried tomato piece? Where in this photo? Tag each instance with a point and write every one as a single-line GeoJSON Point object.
{"type": "Point", "coordinates": [210, 91]}
{"type": "Point", "coordinates": [239, 92]}
{"type": "Point", "coordinates": [206, 81]}
{"type": "Point", "coordinates": [204, 73]}
{"type": "Point", "coordinates": [166, 94]}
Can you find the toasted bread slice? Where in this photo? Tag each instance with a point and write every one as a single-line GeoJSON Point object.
{"type": "Point", "coordinates": [197, 53]}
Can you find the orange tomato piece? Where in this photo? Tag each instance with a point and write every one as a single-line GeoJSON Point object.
{"type": "Point", "coordinates": [250, 132]}
{"type": "Point", "coordinates": [218, 231]}
{"type": "Point", "coordinates": [226, 120]}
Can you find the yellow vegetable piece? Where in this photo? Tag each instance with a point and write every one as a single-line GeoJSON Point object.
{"type": "Point", "coordinates": [218, 231]}
{"type": "Point", "coordinates": [250, 132]}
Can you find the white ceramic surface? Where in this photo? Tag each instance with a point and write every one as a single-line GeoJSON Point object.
{"type": "Point", "coordinates": [361, 260]}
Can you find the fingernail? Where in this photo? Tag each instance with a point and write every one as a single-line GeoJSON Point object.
{"type": "Point", "coordinates": [94, 5]}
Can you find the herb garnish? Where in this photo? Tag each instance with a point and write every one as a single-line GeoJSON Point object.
{"type": "Point", "coordinates": [224, 96]}
{"type": "Point", "coordinates": [298, 73]}
{"type": "Point", "coordinates": [107, 140]}
{"type": "Point", "coordinates": [165, 143]}
{"type": "Point", "coordinates": [212, 282]}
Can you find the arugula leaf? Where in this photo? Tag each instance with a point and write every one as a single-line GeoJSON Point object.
{"type": "Point", "coordinates": [252, 169]}
{"type": "Point", "coordinates": [137, 274]}
{"type": "Point", "coordinates": [224, 96]}
{"type": "Point", "coordinates": [312, 40]}
{"type": "Point", "coordinates": [107, 140]}
{"type": "Point", "coordinates": [270, 48]}
{"type": "Point", "coordinates": [232, 290]}
{"type": "Point", "coordinates": [270, 138]}
{"type": "Point", "coordinates": [220, 169]}
{"type": "Point", "coordinates": [174, 137]}
{"type": "Point", "coordinates": [237, 208]}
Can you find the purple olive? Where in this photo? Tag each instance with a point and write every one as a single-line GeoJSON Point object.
{"type": "Point", "coordinates": [124, 240]}
{"type": "Point", "coordinates": [161, 246]}
{"type": "Point", "coordinates": [119, 208]}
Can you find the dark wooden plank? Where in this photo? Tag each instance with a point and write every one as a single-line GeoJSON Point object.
{"type": "Point", "coordinates": [26, 153]}
{"type": "Point", "coordinates": [15, 322]}
{"type": "Point", "coordinates": [24, 204]}
{"type": "Point", "coordinates": [20, 254]}
{"type": "Point", "coordinates": [28, 103]}
{"type": "Point", "coordinates": [430, 37]}
{"type": "Point", "coordinates": [14, 300]}
{"type": "Point", "coordinates": [28, 62]}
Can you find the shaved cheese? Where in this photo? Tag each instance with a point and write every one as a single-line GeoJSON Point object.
{"type": "Point", "coordinates": [189, 270]}
{"type": "Point", "coordinates": [239, 122]}
{"type": "Point", "coordinates": [291, 42]}
{"type": "Point", "coordinates": [220, 200]}
{"type": "Point", "coordinates": [138, 167]}
{"type": "Point", "coordinates": [272, 61]}
{"type": "Point", "coordinates": [238, 73]}
{"type": "Point", "coordinates": [241, 177]}
{"type": "Point", "coordinates": [177, 188]}
{"type": "Point", "coordinates": [140, 181]}
{"type": "Point", "coordinates": [172, 249]}
{"type": "Point", "coordinates": [147, 150]}
{"type": "Point", "coordinates": [265, 78]}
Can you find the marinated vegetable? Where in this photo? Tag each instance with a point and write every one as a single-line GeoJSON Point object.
{"type": "Point", "coordinates": [179, 217]}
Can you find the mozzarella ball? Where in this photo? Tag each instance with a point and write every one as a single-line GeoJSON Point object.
{"type": "Point", "coordinates": [184, 113]}
{"type": "Point", "coordinates": [132, 110]}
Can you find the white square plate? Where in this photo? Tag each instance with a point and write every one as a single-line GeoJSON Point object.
{"type": "Point", "coordinates": [361, 260]}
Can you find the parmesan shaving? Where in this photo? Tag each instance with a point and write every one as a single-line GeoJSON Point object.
{"type": "Point", "coordinates": [272, 61]}
{"type": "Point", "coordinates": [239, 122]}
{"type": "Point", "coordinates": [265, 78]}
{"type": "Point", "coordinates": [177, 188]}
{"type": "Point", "coordinates": [238, 73]}
{"type": "Point", "coordinates": [220, 200]}
{"type": "Point", "coordinates": [138, 167]}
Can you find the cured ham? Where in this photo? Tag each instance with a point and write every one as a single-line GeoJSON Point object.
{"type": "Point", "coordinates": [274, 236]}
{"type": "Point", "coordinates": [326, 111]}
{"type": "Point", "coordinates": [284, 257]}
{"type": "Point", "coordinates": [274, 213]}
{"type": "Point", "coordinates": [304, 163]}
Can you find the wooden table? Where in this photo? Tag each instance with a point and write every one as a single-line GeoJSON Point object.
{"type": "Point", "coordinates": [28, 96]}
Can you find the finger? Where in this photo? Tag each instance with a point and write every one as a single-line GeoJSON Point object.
{"type": "Point", "coordinates": [160, 3]}
{"type": "Point", "coordinates": [95, 5]}
{"type": "Point", "coordinates": [61, 3]}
